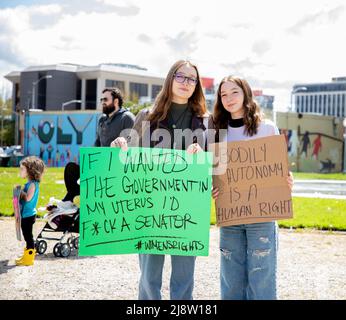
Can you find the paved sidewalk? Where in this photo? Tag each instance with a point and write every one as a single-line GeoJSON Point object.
{"type": "Point", "coordinates": [328, 189]}
{"type": "Point", "coordinates": [311, 265]}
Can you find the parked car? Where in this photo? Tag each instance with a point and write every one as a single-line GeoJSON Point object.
{"type": "Point", "coordinates": [10, 156]}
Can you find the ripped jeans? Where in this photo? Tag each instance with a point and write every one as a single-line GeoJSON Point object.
{"type": "Point", "coordinates": [249, 261]}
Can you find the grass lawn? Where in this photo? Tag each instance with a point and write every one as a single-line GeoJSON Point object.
{"type": "Point", "coordinates": [322, 214]}
{"type": "Point", "coordinates": [328, 214]}
{"type": "Point", "coordinates": [48, 187]}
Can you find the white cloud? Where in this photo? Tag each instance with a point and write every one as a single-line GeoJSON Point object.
{"type": "Point", "coordinates": [273, 43]}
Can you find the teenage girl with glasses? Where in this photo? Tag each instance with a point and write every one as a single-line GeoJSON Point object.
{"type": "Point", "coordinates": [180, 105]}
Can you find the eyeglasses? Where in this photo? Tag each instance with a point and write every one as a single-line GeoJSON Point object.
{"type": "Point", "coordinates": [103, 100]}
{"type": "Point", "coordinates": [180, 78]}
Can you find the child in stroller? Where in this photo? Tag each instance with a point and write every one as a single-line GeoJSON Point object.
{"type": "Point", "coordinates": [63, 216]}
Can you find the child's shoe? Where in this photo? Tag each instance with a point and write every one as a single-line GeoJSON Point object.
{"type": "Point", "coordinates": [28, 259]}
{"type": "Point", "coordinates": [21, 258]}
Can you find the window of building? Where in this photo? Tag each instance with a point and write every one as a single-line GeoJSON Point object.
{"type": "Point", "coordinates": [337, 101]}
{"type": "Point", "coordinates": [324, 104]}
{"type": "Point", "coordinates": [319, 109]}
{"type": "Point", "coordinates": [334, 104]}
{"type": "Point", "coordinates": [91, 94]}
{"type": "Point", "coordinates": [302, 102]}
{"type": "Point", "coordinates": [315, 102]}
{"type": "Point", "coordinates": [298, 103]}
{"type": "Point", "coordinates": [116, 84]}
{"type": "Point", "coordinates": [41, 92]}
{"type": "Point", "coordinates": [78, 106]}
{"type": "Point", "coordinates": [305, 102]}
{"type": "Point", "coordinates": [329, 107]}
{"type": "Point", "coordinates": [155, 89]}
{"type": "Point", "coordinates": [138, 90]}
{"type": "Point", "coordinates": [17, 95]}
{"type": "Point", "coordinates": [308, 103]}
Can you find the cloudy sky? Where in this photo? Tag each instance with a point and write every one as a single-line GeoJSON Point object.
{"type": "Point", "coordinates": [273, 44]}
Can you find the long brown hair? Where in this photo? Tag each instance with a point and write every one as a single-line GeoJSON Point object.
{"type": "Point", "coordinates": [252, 112]}
{"type": "Point", "coordinates": [164, 99]}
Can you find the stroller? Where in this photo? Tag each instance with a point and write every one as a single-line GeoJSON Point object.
{"type": "Point", "coordinates": [63, 217]}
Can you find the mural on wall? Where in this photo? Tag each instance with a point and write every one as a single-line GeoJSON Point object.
{"type": "Point", "coordinates": [317, 146]}
{"type": "Point", "coordinates": [327, 166]}
{"type": "Point", "coordinates": [305, 144]}
{"type": "Point", "coordinates": [305, 149]}
{"type": "Point", "coordinates": [56, 138]}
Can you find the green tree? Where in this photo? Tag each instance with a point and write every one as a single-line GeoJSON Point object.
{"type": "Point", "coordinates": [135, 107]}
{"type": "Point", "coordinates": [7, 124]}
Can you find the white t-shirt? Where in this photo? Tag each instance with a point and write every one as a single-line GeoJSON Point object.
{"type": "Point", "coordinates": [266, 128]}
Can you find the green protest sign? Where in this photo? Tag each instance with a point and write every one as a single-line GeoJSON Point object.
{"type": "Point", "coordinates": [143, 200]}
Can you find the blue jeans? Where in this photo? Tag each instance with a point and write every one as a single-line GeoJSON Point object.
{"type": "Point", "coordinates": [182, 277]}
{"type": "Point", "coordinates": [249, 261]}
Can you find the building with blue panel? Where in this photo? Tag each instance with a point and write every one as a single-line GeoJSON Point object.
{"type": "Point", "coordinates": [56, 137]}
{"type": "Point", "coordinates": [327, 99]}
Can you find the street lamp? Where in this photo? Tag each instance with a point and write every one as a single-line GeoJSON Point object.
{"type": "Point", "coordinates": [344, 124]}
{"type": "Point", "coordinates": [34, 85]}
{"type": "Point", "coordinates": [295, 91]}
{"type": "Point", "coordinates": [69, 102]}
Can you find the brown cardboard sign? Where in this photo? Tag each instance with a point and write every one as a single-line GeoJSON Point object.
{"type": "Point", "coordinates": [252, 180]}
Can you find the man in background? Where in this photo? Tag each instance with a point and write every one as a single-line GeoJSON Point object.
{"type": "Point", "coordinates": [114, 119]}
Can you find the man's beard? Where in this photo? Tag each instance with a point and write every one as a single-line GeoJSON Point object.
{"type": "Point", "coordinates": [108, 109]}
